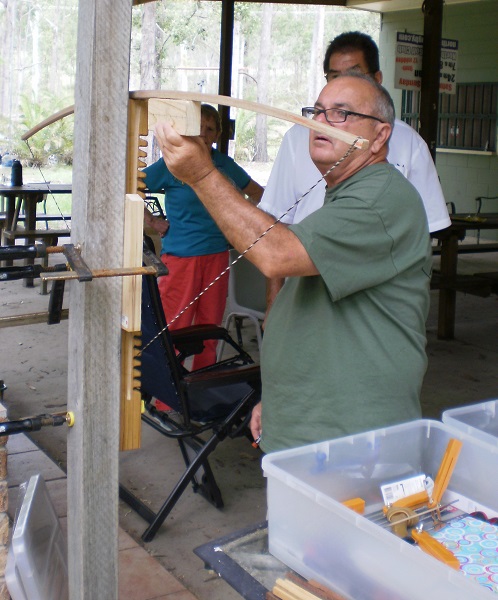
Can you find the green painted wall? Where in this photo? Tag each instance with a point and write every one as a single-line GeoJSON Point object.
{"type": "Point", "coordinates": [475, 26]}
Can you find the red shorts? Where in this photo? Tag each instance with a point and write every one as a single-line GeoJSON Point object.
{"type": "Point", "coordinates": [188, 277]}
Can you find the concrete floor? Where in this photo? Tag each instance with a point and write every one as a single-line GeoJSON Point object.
{"type": "Point", "coordinates": [460, 371]}
{"type": "Point", "coordinates": [141, 577]}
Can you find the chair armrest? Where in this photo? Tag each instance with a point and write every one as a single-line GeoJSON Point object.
{"type": "Point", "coordinates": [197, 332]}
{"type": "Point", "coordinates": [249, 374]}
{"type": "Point", "coordinates": [190, 340]}
{"type": "Point", "coordinates": [479, 200]}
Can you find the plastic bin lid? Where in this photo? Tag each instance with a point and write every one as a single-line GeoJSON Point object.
{"type": "Point", "coordinates": [37, 560]}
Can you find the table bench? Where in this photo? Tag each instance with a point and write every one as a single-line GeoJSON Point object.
{"type": "Point", "coordinates": [22, 219]}
{"type": "Point", "coordinates": [448, 281]}
{"type": "Point", "coordinates": [470, 248]}
{"type": "Point", "coordinates": [479, 284]}
{"type": "Point", "coordinates": [48, 218]}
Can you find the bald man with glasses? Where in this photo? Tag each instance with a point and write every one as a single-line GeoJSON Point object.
{"type": "Point", "coordinates": [344, 345]}
{"type": "Point", "coordinates": [294, 173]}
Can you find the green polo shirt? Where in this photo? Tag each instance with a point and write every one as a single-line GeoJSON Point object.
{"type": "Point", "coordinates": [344, 351]}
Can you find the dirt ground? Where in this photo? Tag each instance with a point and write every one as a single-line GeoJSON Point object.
{"type": "Point", "coordinates": [33, 364]}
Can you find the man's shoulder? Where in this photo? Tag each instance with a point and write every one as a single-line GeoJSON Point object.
{"type": "Point", "coordinates": [378, 179]}
{"type": "Point", "coordinates": [402, 130]}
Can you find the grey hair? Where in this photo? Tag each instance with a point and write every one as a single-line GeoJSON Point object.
{"type": "Point", "coordinates": [383, 106]}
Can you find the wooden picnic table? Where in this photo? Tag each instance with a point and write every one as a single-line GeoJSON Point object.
{"type": "Point", "coordinates": [450, 249]}
{"type": "Point", "coordinates": [28, 197]}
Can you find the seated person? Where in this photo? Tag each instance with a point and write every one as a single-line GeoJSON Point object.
{"type": "Point", "coordinates": [193, 248]}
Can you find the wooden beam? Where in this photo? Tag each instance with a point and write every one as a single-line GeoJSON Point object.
{"type": "Point", "coordinates": [130, 411]}
{"type": "Point", "coordinates": [135, 142]}
{"type": "Point", "coordinates": [29, 319]}
{"type": "Point", "coordinates": [133, 250]}
{"type": "Point", "coordinates": [326, 2]}
{"type": "Point", "coordinates": [101, 102]}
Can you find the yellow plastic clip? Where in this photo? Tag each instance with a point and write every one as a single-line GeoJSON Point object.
{"type": "Point", "coordinates": [356, 504]}
{"type": "Point", "coordinates": [413, 501]}
{"type": "Point", "coordinates": [445, 472]}
{"type": "Point", "coordinates": [433, 547]}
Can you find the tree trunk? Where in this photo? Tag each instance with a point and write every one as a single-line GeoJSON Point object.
{"type": "Point", "coordinates": [315, 81]}
{"type": "Point", "coordinates": [236, 61]}
{"type": "Point", "coordinates": [148, 55]}
{"type": "Point", "coordinates": [6, 64]}
{"type": "Point", "coordinates": [37, 67]}
{"type": "Point", "coordinates": [58, 51]}
{"type": "Point", "coordinates": [261, 149]}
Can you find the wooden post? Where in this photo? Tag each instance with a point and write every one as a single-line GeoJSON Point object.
{"type": "Point", "coordinates": [130, 413]}
{"type": "Point", "coordinates": [429, 93]}
{"type": "Point", "coordinates": [185, 116]}
{"type": "Point", "coordinates": [101, 103]}
{"type": "Point", "coordinates": [225, 80]}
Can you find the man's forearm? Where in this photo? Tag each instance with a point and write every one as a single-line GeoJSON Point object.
{"type": "Point", "coordinates": [159, 225]}
{"type": "Point", "coordinates": [278, 254]}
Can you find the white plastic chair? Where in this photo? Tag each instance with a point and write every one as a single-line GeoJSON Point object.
{"type": "Point", "coordinates": [246, 297]}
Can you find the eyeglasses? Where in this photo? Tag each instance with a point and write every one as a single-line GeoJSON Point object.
{"type": "Point", "coordinates": [334, 115]}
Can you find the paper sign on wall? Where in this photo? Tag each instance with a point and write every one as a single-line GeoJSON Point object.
{"type": "Point", "coordinates": [408, 68]}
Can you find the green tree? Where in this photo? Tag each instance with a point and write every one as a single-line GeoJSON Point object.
{"type": "Point", "coordinates": [51, 144]}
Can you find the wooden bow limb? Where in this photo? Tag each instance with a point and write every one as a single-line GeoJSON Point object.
{"type": "Point", "coordinates": [270, 111]}
{"type": "Point", "coordinates": [69, 110]}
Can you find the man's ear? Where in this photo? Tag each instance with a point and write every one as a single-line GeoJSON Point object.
{"type": "Point", "coordinates": [382, 133]}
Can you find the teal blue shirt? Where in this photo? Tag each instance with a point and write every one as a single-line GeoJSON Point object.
{"type": "Point", "coordinates": [192, 231]}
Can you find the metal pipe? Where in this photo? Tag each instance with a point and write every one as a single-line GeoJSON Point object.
{"type": "Point", "coordinates": [16, 252]}
{"type": "Point", "coordinates": [34, 423]}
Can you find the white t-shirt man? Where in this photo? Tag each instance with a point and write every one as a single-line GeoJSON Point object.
{"type": "Point", "coordinates": [294, 173]}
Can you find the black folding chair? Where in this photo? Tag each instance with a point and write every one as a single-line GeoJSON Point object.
{"type": "Point", "coordinates": [154, 206]}
{"type": "Point", "coordinates": [216, 399]}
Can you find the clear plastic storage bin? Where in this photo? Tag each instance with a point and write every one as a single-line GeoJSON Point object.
{"type": "Point", "coordinates": [314, 534]}
{"type": "Point", "coordinates": [479, 420]}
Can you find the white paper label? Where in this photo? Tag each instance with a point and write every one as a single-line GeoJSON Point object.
{"type": "Point", "coordinates": [400, 489]}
